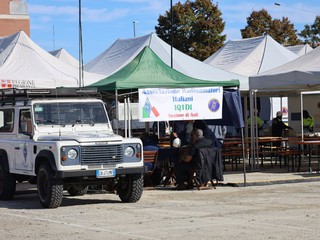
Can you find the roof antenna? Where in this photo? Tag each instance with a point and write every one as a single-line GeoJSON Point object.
{"type": "Point", "coordinates": [81, 81]}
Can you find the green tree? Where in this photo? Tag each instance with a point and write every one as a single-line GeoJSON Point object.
{"type": "Point", "coordinates": [311, 33]}
{"type": "Point", "coordinates": [283, 32]}
{"type": "Point", "coordinates": [197, 28]}
{"type": "Point", "coordinates": [260, 23]}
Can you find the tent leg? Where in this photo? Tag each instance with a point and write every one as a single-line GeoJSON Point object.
{"type": "Point", "coordinates": [244, 159]}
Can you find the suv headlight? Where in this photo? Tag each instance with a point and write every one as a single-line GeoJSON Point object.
{"type": "Point", "coordinates": [72, 154]}
{"type": "Point", "coordinates": [129, 151]}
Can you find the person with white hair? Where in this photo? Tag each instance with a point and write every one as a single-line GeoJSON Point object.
{"type": "Point", "coordinates": [278, 126]}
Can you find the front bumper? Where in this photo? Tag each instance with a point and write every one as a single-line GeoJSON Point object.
{"type": "Point", "coordinates": [92, 173]}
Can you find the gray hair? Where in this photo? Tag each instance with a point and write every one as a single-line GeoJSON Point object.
{"type": "Point", "coordinates": [198, 133]}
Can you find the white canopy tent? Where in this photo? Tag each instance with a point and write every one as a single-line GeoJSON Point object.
{"type": "Point", "coordinates": [251, 56]}
{"type": "Point", "coordinates": [23, 64]}
{"type": "Point", "coordinates": [65, 57]}
{"type": "Point", "coordinates": [123, 51]}
{"type": "Point", "coordinates": [301, 49]}
{"type": "Point", "coordinates": [302, 74]}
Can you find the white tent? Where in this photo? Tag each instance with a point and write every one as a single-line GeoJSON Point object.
{"type": "Point", "coordinates": [300, 74]}
{"type": "Point", "coordinates": [251, 56]}
{"type": "Point", "coordinates": [23, 64]}
{"type": "Point", "coordinates": [124, 51]}
{"type": "Point", "coordinates": [301, 49]}
{"type": "Point", "coordinates": [65, 57]}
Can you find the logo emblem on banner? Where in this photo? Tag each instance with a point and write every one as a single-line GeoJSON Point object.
{"type": "Point", "coordinates": [214, 105]}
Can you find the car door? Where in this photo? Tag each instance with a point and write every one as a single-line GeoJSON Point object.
{"type": "Point", "coordinates": [24, 143]}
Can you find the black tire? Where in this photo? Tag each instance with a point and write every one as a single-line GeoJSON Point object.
{"type": "Point", "coordinates": [7, 183]}
{"type": "Point", "coordinates": [130, 188]}
{"type": "Point", "coordinates": [50, 189]}
{"type": "Point", "coordinates": [78, 190]}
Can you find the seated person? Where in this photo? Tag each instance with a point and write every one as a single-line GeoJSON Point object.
{"type": "Point", "coordinates": [188, 163]}
{"type": "Point", "coordinates": [150, 144]}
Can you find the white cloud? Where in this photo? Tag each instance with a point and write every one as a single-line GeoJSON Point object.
{"type": "Point", "coordinates": [103, 15]}
{"type": "Point", "coordinates": [52, 10]}
{"type": "Point", "coordinates": [72, 13]}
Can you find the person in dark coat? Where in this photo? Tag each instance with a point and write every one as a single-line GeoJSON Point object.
{"type": "Point", "coordinates": [278, 127]}
{"type": "Point", "coordinates": [188, 162]}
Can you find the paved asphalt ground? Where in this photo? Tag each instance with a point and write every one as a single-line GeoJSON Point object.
{"type": "Point", "coordinates": [273, 205]}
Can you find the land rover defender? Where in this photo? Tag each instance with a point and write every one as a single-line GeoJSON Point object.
{"type": "Point", "coordinates": [62, 141]}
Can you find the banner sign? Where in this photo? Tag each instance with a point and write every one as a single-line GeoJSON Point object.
{"type": "Point", "coordinates": [162, 104]}
{"type": "Point", "coordinates": [4, 83]}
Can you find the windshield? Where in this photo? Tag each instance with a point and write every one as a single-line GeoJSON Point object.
{"type": "Point", "coordinates": [69, 113]}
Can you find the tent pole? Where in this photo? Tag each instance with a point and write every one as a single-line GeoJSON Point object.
{"type": "Point", "coordinates": [125, 117]}
{"type": "Point", "coordinates": [129, 119]}
{"type": "Point", "coordinates": [246, 115]}
{"type": "Point", "coordinates": [117, 110]}
{"type": "Point", "coordinates": [244, 159]}
{"type": "Point", "coordinates": [251, 137]}
{"type": "Point", "coordinates": [256, 145]}
{"type": "Point", "coordinates": [301, 114]}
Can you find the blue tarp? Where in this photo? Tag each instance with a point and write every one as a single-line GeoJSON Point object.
{"type": "Point", "coordinates": [232, 114]}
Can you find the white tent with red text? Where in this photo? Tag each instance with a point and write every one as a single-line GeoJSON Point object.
{"type": "Point", "coordinates": [23, 64]}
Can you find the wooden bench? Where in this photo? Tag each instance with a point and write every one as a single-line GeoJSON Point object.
{"type": "Point", "coordinates": [290, 154]}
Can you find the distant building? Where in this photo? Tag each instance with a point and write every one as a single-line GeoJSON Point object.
{"type": "Point", "coordinates": [14, 17]}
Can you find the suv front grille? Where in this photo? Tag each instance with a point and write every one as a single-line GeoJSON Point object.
{"type": "Point", "coordinates": [111, 154]}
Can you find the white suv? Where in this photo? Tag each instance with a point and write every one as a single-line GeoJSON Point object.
{"type": "Point", "coordinates": [61, 139]}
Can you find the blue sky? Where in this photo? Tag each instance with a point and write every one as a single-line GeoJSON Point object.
{"type": "Point", "coordinates": [55, 24]}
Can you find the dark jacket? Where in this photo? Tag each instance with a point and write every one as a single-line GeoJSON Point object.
{"type": "Point", "coordinates": [209, 165]}
{"type": "Point", "coordinates": [278, 126]}
{"type": "Point", "coordinates": [200, 143]}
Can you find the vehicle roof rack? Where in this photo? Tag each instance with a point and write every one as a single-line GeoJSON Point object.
{"type": "Point", "coordinates": [12, 95]}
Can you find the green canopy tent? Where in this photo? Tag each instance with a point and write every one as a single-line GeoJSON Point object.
{"type": "Point", "coordinates": [147, 70]}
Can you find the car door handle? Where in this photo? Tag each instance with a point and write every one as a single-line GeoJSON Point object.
{"type": "Point", "coordinates": [17, 148]}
